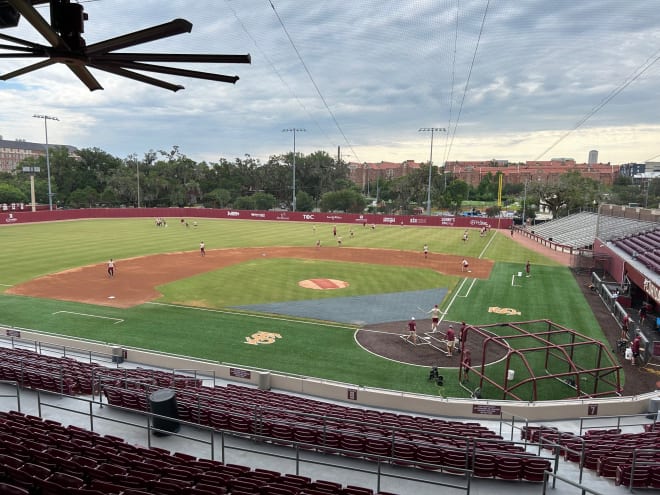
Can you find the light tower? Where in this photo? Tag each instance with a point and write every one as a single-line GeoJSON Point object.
{"type": "Point", "coordinates": [50, 192]}
{"type": "Point", "coordinates": [294, 130]}
{"type": "Point", "coordinates": [431, 130]}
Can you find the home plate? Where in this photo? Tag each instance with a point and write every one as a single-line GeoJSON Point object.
{"type": "Point", "coordinates": [111, 297]}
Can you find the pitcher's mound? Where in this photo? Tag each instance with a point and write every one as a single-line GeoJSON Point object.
{"type": "Point", "coordinates": [323, 284]}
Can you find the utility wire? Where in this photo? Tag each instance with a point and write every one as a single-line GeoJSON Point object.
{"type": "Point", "coordinates": [272, 65]}
{"type": "Point", "coordinates": [467, 82]}
{"type": "Point", "coordinates": [309, 74]}
{"type": "Point", "coordinates": [636, 74]}
{"type": "Point", "coordinates": [453, 81]}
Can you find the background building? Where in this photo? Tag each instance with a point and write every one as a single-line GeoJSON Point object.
{"type": "Point", "coordinates": [13, 152]}
{"type": "Point", "coordinates": [364, 173]}
{"type": "Point", "coordinates": [539, 171]}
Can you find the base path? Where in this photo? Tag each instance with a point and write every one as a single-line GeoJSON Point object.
{"type": "Point", "coordinates": [136, 279]}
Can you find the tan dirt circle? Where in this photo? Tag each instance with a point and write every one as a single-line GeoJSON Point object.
{"type": "Point", "coordinates": [136, 279]}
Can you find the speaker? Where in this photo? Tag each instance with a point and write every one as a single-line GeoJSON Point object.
{"type": "Point", "coordinates": [440, 380]}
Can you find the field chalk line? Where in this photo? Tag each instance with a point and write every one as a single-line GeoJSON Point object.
{"type": "Point", "coordinates": [117, 320]}
{"type": "Point", "coordinates": [474, 280]}
{"type": "Point", "coordinates": [458, 292]}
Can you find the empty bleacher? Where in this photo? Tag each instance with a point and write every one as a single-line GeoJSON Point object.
{"type": "Point", "coordinates": [578, 230]}
{"type": "Point", "coordinates": [623, 457]}
{"type": "Point", "coordinates": [581, 229]}
{"type": "Point", "coordinates": [643, 247]}
{"type": "Point", "coordinates": [47, 458]}
{"type": "Point", "coordinates": [281, 419]}
{"type": "Point", "coordinates": [331, 428]}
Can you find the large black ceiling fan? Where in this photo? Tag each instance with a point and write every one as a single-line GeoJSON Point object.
{"type": "Point", "coordinates": [69, 48]}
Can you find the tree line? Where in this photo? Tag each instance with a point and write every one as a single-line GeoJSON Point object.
{"type": "Point", "coordinates": [94, 178]}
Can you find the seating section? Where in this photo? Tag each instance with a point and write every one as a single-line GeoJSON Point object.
{"type": "Point", "coordinates": [608, 452]}
{"type": "Point", "coordinates": [578, 230]}
{"type": "Point", "coordinates": [47, 458]}
{"type": "Point", "coordinates": [71, 377]}
{"type": "Point", "coordinates": [429, 443]}
{"type": "Point", "coordinates": [644, 247]}
{"type": "Point", "coordinates": [581, 229]}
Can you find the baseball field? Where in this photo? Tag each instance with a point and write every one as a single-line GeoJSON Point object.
{"type": "Point", "coordinates": [266, 296]}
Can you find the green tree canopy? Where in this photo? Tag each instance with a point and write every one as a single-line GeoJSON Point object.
{"type": "Point", "coordinates": [11, 194]}
{"type": "Point", "coordinates": [347, 200]}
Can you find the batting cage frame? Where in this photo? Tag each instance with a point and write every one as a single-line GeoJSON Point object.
{"type": "Point", "coordinates": [537, 350]}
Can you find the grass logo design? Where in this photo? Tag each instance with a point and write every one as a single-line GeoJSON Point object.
{"type": "Point", "coordinates": [504, 311]}
{"type": "Point", "coordinates": [262, 338]}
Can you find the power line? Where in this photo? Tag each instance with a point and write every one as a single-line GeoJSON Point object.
{"type": "Point", "coordinates": [467, 82]}
{"type": "Point", "coordinates": [277, 72]}
{"type": "Point", "coordinates": [453, 81]}
{"type": "Point", "coordinates": [637, 73]}
{"type": "Point", "coordinates": [309, 74]}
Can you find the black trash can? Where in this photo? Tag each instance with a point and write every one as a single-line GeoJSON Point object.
{"type": "Point", "coordinates": [163, 402]}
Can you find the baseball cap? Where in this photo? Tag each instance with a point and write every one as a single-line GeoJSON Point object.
{"type": "Point", "coordinates": [412, 317]}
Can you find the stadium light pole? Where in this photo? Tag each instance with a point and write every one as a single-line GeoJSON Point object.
{"type": "Point", "coordinates": [137, 166]}
{"type": "Point", "coordinates": [294, 130]}
{"type": "Point", "coordinates": [432, 130]}
{"type": "Point", "coordinates": [50, 192]}
{"type": "Point", "coordinates": [524, 203]}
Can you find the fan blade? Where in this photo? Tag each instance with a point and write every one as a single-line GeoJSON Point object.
{"type": "Point", "coordinates": [177, 57]}
{"type": "Point", "coordinates": [28, 52]}
{"type": "Point", "coordinates": [175, 71]}
{"type": "Point", "coordinates": [77, 68]}
{"type": "Point", "coordinates": [19, 41]}
{"type": "Point", "coordinates": [33, 17]}
{"type": "Point", "coordinates": [137, 77]}
{"type": "Point", "coordinates": [25, 70]}
{"type": "Point", "coordinates": [177, 26]}
{"type": "Point", "coordinates": [84, 75]}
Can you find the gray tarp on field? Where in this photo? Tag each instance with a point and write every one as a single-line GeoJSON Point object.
{"type": "Point", "coordinates": [359, 310]}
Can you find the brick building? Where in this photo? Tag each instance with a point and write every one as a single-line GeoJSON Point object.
{"type": "Point", "coordinates": [537, 171]}
{"type": "Point", "coordinates": [364, 173]}
{"type": "Point", "coordinates": [13, 152]}
{"type": "Point", "coordinates": [473, 172]}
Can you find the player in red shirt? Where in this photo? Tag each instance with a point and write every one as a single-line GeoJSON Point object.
{"type": "Point", "coordinates": [451, 341]}
{"type": "Point", "coordinates": [412, 329]}
{"type": "Point", "coordinates": [635, 347]}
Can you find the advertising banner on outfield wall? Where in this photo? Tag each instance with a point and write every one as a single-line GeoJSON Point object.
{"type": "Point", "coordinates": [365, 220]}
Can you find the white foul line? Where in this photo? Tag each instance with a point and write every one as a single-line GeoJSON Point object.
{"type": "Point", "coordinates": [456, 294]}
{"type": "Point", "coordinates": [474, 281]}
{"type": "Point", "coordinates": [483, 251]}
{"type": "Point", "coordinates": [117, 320]}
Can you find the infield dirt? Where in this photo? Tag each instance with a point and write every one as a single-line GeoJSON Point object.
{"type": "Point", "coordinates": [136, 279]}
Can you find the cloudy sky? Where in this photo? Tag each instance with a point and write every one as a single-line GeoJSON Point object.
{"type": "Point", "coordinates": [507, 79]}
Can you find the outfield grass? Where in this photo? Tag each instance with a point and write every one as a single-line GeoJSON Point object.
{"type": "Point", "coordinates": [305, 347]}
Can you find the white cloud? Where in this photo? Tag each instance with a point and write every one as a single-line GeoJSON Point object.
{"type": "Point", "coordinates": [365, 76]}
